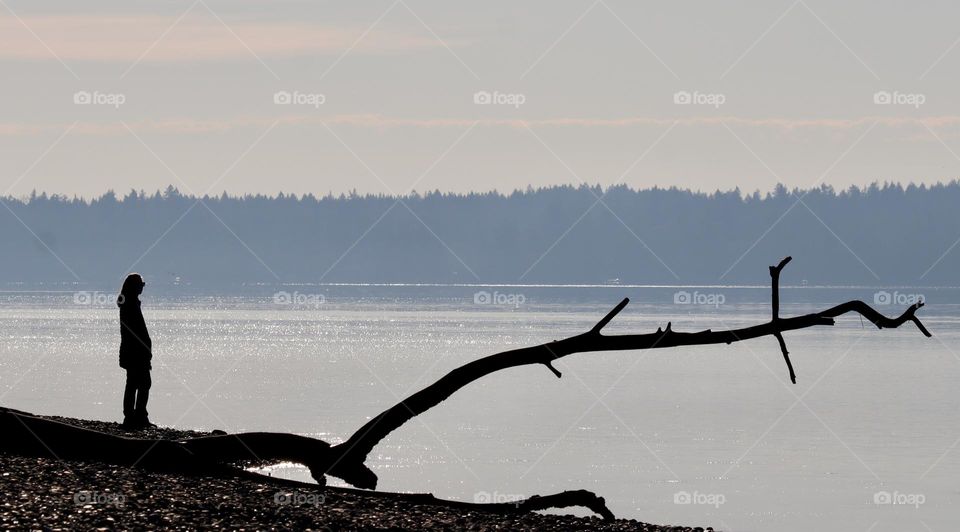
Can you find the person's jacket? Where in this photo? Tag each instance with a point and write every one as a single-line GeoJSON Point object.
{"type": "Point", "coordinates": [135, 344]}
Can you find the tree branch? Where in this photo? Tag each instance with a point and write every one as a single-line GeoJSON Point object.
{"type": "Point", "coordinates": [566, 499]}
{"type": "Point", "coordinates": [775, 315]}
{"type": "Point", "coordinates": [358, 446]}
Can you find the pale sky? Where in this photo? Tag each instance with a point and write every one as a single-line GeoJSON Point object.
{"type": "Point", "coordinates": [183, 93]}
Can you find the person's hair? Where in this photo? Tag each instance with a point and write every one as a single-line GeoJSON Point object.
{"type": "Point", "coordinates": [131, 284]}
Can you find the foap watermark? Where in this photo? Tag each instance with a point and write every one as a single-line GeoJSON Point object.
{"type": "Point", "coordinates": [298, 299]}
{"type": "Point", "coordinates": [102, 498]}
{"type": "Point", "coordinates": [697, 298]}
{"type": "Point", "coordinates": [883, 498]}
{"type": "Point", "coordinates": [298, 498]}
{"type": "Point", "coordinates": [486, 497]}
{"type": "Point", "coordinates": [114, 99]}
{"type": "Point", "coordinates": [914, 99]}
{"type": "Point", "coordinates": [95, 299]}
{"type": "Point", "coordinates": [896, 298]}
{"type": "Point", "coordinates": [497, 298]}
{"type": "Point", "coordinates": [709, 499]}
{"type": "Point", "coordinates": [515, 99]}
{"type": "Point", "coordinates": [715, 99]}
{"type": "Point", "coordinates": [299, 98]}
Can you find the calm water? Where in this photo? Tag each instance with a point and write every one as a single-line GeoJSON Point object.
{"type": "Point", "coordinates": [873, 411]}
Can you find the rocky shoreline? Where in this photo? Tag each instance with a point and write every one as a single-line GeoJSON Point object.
{"type": "Point", "coordinates": [49, 494]}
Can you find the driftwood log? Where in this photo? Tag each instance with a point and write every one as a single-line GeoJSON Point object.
{"type": "Point", "coordinates": [28, 435]}
{"type": "Point", "coordinates": [218, 454]}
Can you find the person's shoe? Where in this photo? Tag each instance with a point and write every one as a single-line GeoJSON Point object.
{"type": "Point", "coordinates": [143, 422]}
{"type": "Point", "coordinates": [130, 424]}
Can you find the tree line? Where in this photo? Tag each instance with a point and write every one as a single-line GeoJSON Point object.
{"type": "Point", "coordinates": [883, 234]}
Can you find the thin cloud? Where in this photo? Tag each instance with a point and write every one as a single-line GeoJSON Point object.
{"type": "Point", "coordinates": [198, 37]}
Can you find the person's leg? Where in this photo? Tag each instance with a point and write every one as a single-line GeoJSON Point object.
{"type": "Point", "coordinates": [129, 396]}
{"type": "Point", "coordinates": [143, 394]}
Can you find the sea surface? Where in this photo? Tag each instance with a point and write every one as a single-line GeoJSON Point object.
{"type": "Point", "coordinates": [700, 436]}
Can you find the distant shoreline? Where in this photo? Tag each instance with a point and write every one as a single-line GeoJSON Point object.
{"type": "Point", "coordinates": [880, 235]}
{"type": "Point", "coordinates": [76, 284]}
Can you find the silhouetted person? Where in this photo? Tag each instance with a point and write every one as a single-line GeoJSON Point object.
{"type": "Point", "coordinates": [135, 354]}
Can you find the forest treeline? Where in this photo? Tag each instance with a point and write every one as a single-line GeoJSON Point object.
{"type": "Point", "coordinates": [879, 235]}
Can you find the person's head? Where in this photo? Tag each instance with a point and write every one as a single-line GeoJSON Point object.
{"type": "Point", "coordinates": [132, 287]}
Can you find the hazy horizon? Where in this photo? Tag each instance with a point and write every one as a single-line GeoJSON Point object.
{"type": "Point", "coordinates": [120, 194]}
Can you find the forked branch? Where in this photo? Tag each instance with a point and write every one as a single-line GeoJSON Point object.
{"type": "Point", "coordinates": [359, 445]}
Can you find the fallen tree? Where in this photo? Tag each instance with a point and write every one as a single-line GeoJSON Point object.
{"type": "Point", "coordinates": [219, 454]}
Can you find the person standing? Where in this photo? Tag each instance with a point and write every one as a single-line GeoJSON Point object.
{"type": "Point", "coordinates": [135, 354]}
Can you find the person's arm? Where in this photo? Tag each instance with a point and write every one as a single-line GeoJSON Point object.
{"type": "Point", "coordinates": [145, 335]}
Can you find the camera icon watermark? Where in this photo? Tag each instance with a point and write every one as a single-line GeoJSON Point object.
{"type": "Point", "coordinates": [896, 298]}
{"type": "Point", "coordinates": [914, 99]}
{"type": "Point", "coordinates": [714, 99]}
{"type": "Point", "coordinates": [709, 499]}
{"type": "Point", "coordinates": [95, 299]}
{"type": "Point", "coordinates": [882, 498]}
{"type": "Point", "coordinates": [499, 98]}
{"type": "Point", "coordinates": [100, 498]}
{"type": "Point", "coordinates": [486, 497]}
{"type": "Point", "coordinates": [497, 298]}
{"type": "Point", "coordinates": [298, 299]}
{"type": "Point", "coordinates": [113, 99]}
{"type": "Point", "coordinates": [298, 498]}
{"type": "Point", "coordinates": [299, 98]}
{"type": "Point", "coordinates": [683, 297]}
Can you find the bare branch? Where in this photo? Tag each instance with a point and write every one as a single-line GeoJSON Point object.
{"type": "Point", "coordinates": [775, 312]}
{"type": "Point", "coordinates": [610, 315]}
{"type": "Point", "coordinates": [786, 356]}
{"type": "Point", "coordinates": [358, 446]}
{"type": "Point", "coordinates": [581, 498]}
